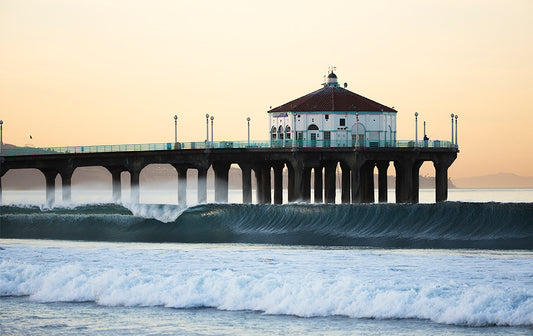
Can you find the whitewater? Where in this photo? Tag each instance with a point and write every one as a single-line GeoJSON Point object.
{"type": "Point", "coordinates": [455, 268]}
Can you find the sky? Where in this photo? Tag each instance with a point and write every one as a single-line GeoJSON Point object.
{"type": "Point", "coordinates": [91, 72]}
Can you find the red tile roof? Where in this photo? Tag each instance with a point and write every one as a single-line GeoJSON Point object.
{"type": "Point", "coordinates": [332, 98]}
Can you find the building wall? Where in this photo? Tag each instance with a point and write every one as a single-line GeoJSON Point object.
{"type": "Point", "coordinates": [372, 126]}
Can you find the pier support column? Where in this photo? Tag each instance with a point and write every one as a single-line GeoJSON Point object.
{"type": "Point", "coordinates": [221, 181]}
{"type": "Point", "coordinates": [246, 173]}
{"type": "Point", "coordinates": [330, 183]}
{"type": "Point", "coordinates": [441, 179]}
{"type": "Point", "coordinates": [1, 174]}
{"type": "Point", "coordinates": [296, 180]}
{"type": "Point", "coordinates": [135, 186]}
{"type": "Point", "coordinates": [182, 185]}
{"type": "Point", "coordinates": [258, 184]}
{"type": "Point", "coordinates": [66, 182]}
{"type": "Point", "coordinates": [319, 197]}
{"type": "Point", "coordinates": [345, 185]}
{"type": "Point", "coordinates": [404, 181]}
{"type": "Point", "coordinates": [267, 184]}
{"type": "Point", "coordinates": [278, 183]}
{"type": "Point", "coordinates": [116, 184]}
{"type": "Point", "coordinates": [356, 181]}
{"type": "Point", "coordinates": [290, 183]}
{"type": "Point", "coordinates": [382, 181]}
{"type": "Point", "coordinates": [202, 185]}
{"type": "Point", "coordinates": [50, 178]}
{"type": "Point", "coordinates": [367, 182]}
{"type": "Point", "coordinates": [416, 181]}
{"type": "Point", "coordinates": [306, 184]}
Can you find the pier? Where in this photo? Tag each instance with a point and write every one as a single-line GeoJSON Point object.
{"type": "Point", "coordinates": [356, 161]}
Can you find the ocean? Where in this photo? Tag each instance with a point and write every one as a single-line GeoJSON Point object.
{"type": "Point", "coordinates": [462, 267]}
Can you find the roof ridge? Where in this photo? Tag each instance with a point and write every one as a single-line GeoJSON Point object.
{"type": "Point", "coordinates": [332, 99]}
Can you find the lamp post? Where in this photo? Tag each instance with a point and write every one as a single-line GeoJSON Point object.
{"type": "Point", "coordinates": [294, 133]}
{"type": "Point", "coordinates": [175, 128]}
{"type": "Point", "coordinates": [416, 129]}
{"type": "Point", "coordinates": [425, 136]}
{"type": "Point", "coordinates": [212, 118]}
{"type": "Point", "coordinates": [207, 130]}
{"type": "Point", "coordinates": [1, 139]}
{"type": "Point", "coordinates": [248, 120]}
{"type": "Point", "coordinates": [456, 116]}
{"type": "Point", "coordinates": [452, 127]}
{"type": "Point", "coordinates": [357, 129]}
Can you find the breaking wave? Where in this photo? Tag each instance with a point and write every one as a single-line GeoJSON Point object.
{"type": "Point", "coordinates": [443, 225]}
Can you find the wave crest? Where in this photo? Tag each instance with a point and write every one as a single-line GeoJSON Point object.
{"type": "Point", "coordinates": [443, 225]}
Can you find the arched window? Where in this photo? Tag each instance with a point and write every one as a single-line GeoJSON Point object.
{"type": "Point", "coordinates": [273, 132]}
{"type": "Point", "coordinates": [287, 132]}
{"type": "Point", "coordinates": [312, 127]}
{"type": "Point", "coordinates": [280, 132]}
{"type": "Point", "coordinates": [358, 134]}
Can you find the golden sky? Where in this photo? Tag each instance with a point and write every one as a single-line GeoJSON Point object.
{"type": "Point", "coordinates": [87, 72]}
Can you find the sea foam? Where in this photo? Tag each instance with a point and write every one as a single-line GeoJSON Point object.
{"type": "Point", "coordinates": [379, 284]}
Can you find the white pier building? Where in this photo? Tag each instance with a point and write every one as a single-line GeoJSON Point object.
{"type": "Point", "coordinates": [332, 117]}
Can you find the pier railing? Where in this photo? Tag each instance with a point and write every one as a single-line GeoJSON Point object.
{"type": "Point", "coordinates": [226, 144]}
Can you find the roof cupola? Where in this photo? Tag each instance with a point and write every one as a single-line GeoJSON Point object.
{"type": "Point", "coordinates": [331, 80]}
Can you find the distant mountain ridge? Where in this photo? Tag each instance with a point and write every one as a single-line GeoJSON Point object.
{"type": "Point", "coordinates": [496, 181]}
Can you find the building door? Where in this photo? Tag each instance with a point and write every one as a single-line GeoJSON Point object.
{"type": "Point", "coordinates": [327, 138]}
{"type": "Point", "coordinates": [358, 130]}
{"type": "Point", "coordinates": [361, 139]}
{"type": "Point", "coordinates": [313, 134]}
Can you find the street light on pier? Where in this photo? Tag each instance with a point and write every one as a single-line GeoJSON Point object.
{"type": "Point", "coordinates": [207, 130]}
{"type": "Point", "coordinates": [456, 116]}
{"type": "Point", "coordinates": [175, 128]}
{"type": "Point", "coordinates": [416, 129]}
{"type": "Point", "coordinates": [212, 118]}
{"type": "Point", "coordinates": [425, 136]}
{"type": "Point", "coordinates": [248, 120]}
{"type": "Point", "coordinates": [357, 129]}
{"type": "Point", "coordinates": [1, 139]}
{"type": "Point", "coordinates": [452, 127]}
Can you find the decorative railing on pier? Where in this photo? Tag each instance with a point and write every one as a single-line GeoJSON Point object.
{"type": "Point", "coordinates": [226, 144]}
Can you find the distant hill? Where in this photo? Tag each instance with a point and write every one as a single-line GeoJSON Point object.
{"type": "Point", "coordinates": [500, 180]}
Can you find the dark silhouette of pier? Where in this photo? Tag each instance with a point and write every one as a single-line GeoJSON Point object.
{"type": "Point", "coordinates": [357, 165]}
